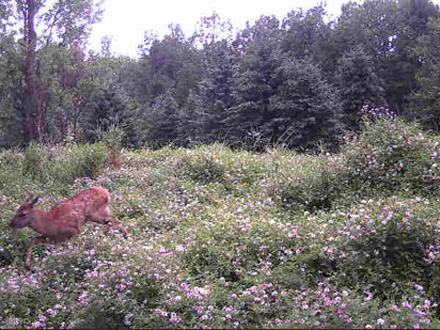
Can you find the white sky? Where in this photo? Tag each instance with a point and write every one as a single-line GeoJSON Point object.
{"type": "Point", "coordinates": [127, 20]}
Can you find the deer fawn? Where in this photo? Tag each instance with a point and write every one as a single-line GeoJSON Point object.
{"type": "Point", "coordinates": [66, 219]}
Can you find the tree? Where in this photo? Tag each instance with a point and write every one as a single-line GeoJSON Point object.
{"type": "Point", "coordinates": [217, 88]}
{"type": "Point", "coordinates": [425, 103]}
{"type": "Point", "coordinates": [11, 78]}
{"type": "Point", "coordinates": [171, 64]}
{"type": "Point", "coordinates": [387, 30]}
{"type": "Point", "coordinates": [308, 35]}
{"type": "Point", "coordinates": [165, 116]}
{"type": "Point", "coordinates": [106, 110]}
{"type": "Point", "coordinates": [254, 83]}
{"type": "Point", "coordinates": [305, 108]}
{"type": "Point", "coordinates": [33, 119]}
{"type": "Point", "coordinates": [191, 120]}
{"type": "Point", "coordinates": [402, 65]}
{"type": "Point", "coordinates": [67, 22]}
{"type": "Point", "coordinates": [358, 85]}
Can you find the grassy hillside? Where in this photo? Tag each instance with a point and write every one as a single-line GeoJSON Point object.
{"type": "Point", "coordinates": [233, 239]}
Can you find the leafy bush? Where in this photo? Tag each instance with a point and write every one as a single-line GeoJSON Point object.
{"type": "Point", "coordinates": [310, 186]}
{"type": "Point", "coordinates": [87, 160]}
{"type": "Point", "coordinates": [210, 246]}
{"type": "Point", "coordinates": [205, 170]}
{"type": "Point", "coordinates": [394, 248]}
{"type": "Point", "coordinates": [392, 155]}
{"type": "Point", "coordinates": [35, 162]}
{"type": "Point", "coordinates": [112, 139]}
{"type": "Point", "coordinates": [312, 192]}
{"type": "Point", "coordinates": [47, 165]}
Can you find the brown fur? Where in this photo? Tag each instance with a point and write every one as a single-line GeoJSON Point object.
{"type": "Point", "coordinates": [66, 219]}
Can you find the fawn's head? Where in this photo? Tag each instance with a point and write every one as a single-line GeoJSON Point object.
{"type": "Point", "coordinates": [25, 213]}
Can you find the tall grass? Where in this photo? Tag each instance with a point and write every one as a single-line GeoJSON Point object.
{"type": "Point", "coordinates": [63, 165]}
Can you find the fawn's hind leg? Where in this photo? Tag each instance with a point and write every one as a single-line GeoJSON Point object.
{"type": "Point", "coordinates": [106, 216]}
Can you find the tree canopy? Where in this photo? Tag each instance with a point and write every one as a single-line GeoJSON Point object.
{"type": "Point", "coordinates": [296, 80]}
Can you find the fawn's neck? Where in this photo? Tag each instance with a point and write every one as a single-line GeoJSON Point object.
{"type": "Point", "coordinates": [38, 223]}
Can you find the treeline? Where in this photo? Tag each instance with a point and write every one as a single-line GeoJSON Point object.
{"type": "Point", "coordinates": [294, 81]}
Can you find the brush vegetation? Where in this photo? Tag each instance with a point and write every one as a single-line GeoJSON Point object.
{"type": "Point", "coordinates": [223, 238]}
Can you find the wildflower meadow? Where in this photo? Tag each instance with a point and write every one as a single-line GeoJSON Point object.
{"type": "Point", "coordinates": [223, 238]}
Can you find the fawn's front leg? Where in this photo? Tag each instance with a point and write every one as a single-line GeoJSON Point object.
{"type": "Point", "coordinates": [34, 241]}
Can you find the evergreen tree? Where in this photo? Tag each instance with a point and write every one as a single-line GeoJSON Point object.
{"type": "Point", "coordinates": [305, 108]}
{"type": "Point", "coordinates": [358, 85]}
{"type": "Point", "coordinates": [425, 104]}
{"type": "Point", "coordinates": [191, 121]}
{"type": "Point", "coordinates": [402, 65]}
{"type": "Point", "coordinates": [254, 82]}
{"type": "Point", "coordinates": [165, 116]}
{"type": "Point", "coordinates": [216, 89]}
{"type": "Point", "coordinates": [106, 110]}
{"type": "Point", "coordinates": [309, 35]}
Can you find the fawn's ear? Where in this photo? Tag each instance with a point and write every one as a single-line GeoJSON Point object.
{"type": "Point", "coordinates": [35, 201]}
{"type": "Point", "coordinates": [29, 199]}
{"type": "Point", "coordinates": [31, 202]}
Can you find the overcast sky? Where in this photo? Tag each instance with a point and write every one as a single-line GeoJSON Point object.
{"type": "Point", "coordinates": [127, 20]}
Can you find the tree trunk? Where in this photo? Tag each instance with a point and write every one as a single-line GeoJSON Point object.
{"type": "Point", "coordinates": [30, 81]}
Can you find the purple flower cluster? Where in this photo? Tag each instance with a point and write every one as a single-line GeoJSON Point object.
{"type": "Point", "coordinates": [378, 112]}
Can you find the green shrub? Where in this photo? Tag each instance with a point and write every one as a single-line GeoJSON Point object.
{"type": "Point", "coordinates": [205, 170]}
{"type": "Point", "coordinates": [311, 193]}
{"type": "Point", "coordinates": [35, 162]}
{"type": "Point", "coordinates": [112, 137]}
{"type": "Point", "coordinates": [389, 252]}
{"type": "Point", "coordinates": [98, 317]}
{"type": "Point", "coordinates": [63, 165]}
{"type": "Point", "coordinates": [392, 155]}
{"type": "Point", "coordinates": [316, 187]}
{"type": "Point", "coordinates": [87, 160]}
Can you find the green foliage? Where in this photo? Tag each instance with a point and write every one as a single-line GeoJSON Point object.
{"type": "Point", "coordinates": [35, 161]}
{"type": "Point", "coordinates": [306, 108]}
{"type": "Point", "coordinates": [293, 81]}
{"type": "Point", "coordinates": [216, 91]}
{"type": "Point", "coordinates": [222, 238]}
{"type": "Point", "coordinates": [392, 155]}
{"type": "Point", "coordinates": [394, 252]}
{"type": "Point", "coordinates": [307, 34]}
{"type": "Point", "coordinates": [46, 164]}
{"type": "Point", "coordinates": [87, 160]}
{"type": "Point", "coordinates": [254, 79]}
{"type": "Point", "coordinates": [425, 102]}
{"type": "Point", "coordinates": [358, 85]}
{"type": "Point", "coordinates": [314, 192]}
{"type": "Point", "coordinates": [112, 138]}
{"type": "Point", "coordinates": [165, 116]}
{"type": "Point", "coordinates": [206, 170]}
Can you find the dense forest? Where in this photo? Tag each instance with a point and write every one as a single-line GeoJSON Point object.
{"type": "Point", "coordinates": [293, 81]}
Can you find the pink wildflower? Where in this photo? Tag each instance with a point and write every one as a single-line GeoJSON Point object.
{"type": "Point", "coordinates": [369, 297]}
{"type": "Point", "coordinates": [406, 304]}
{"type": "Point", "coordinates": [175, 319]}
{"type": "Point", "coordinates": [51, 312]}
